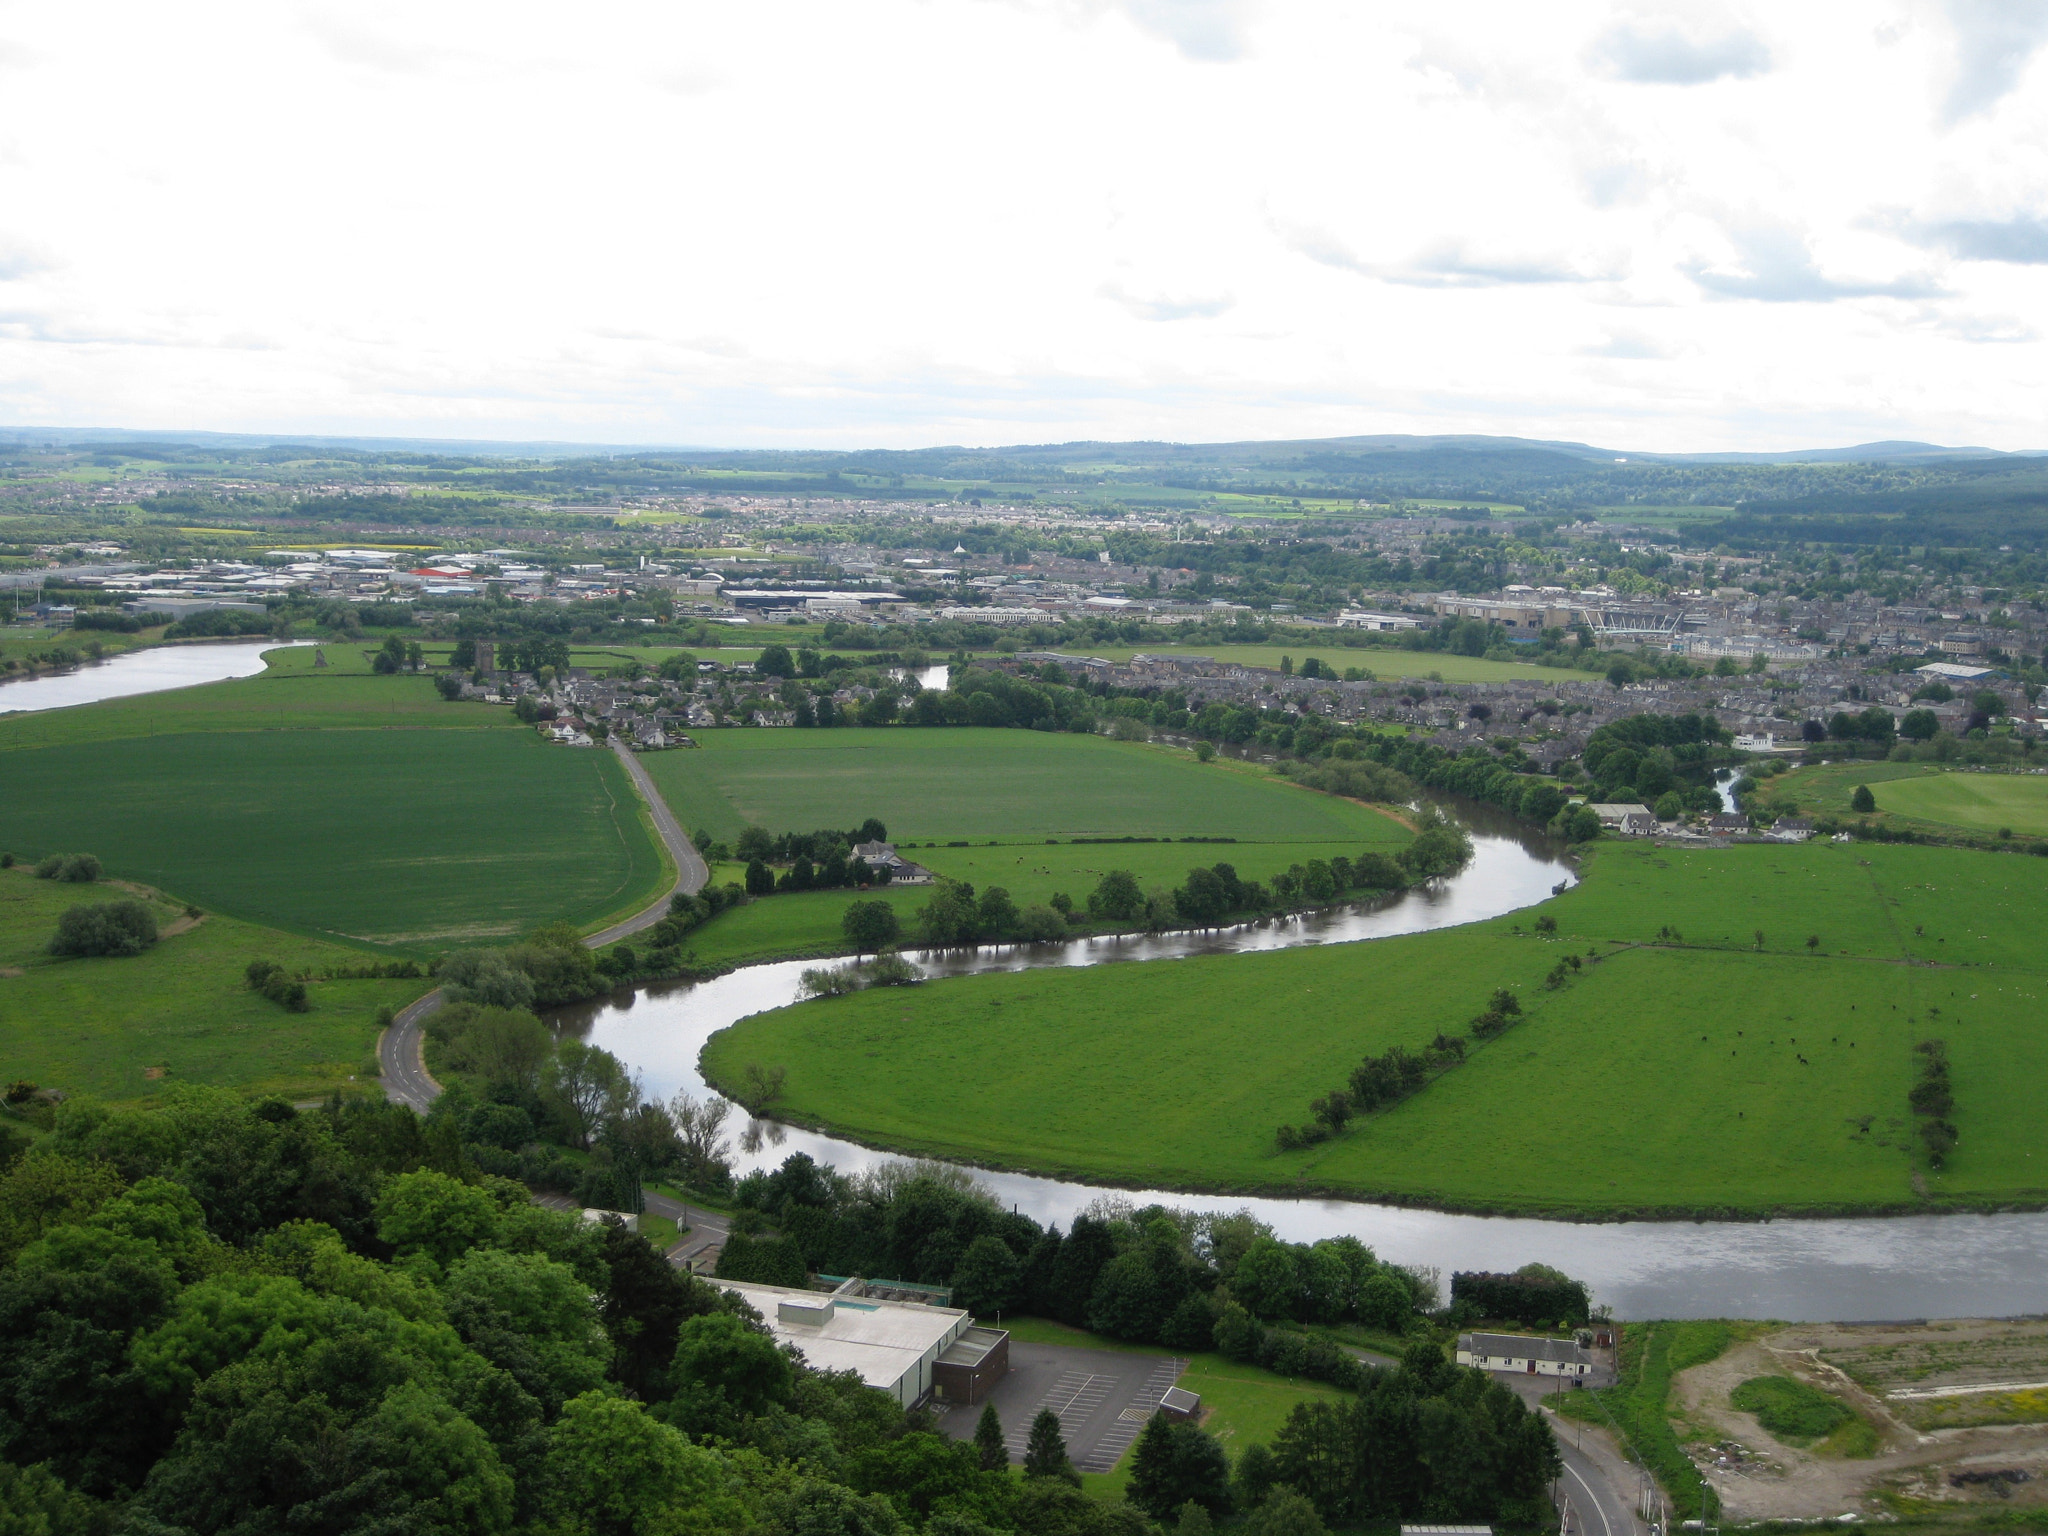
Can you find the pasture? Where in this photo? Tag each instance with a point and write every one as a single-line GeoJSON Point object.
{"type": "Point", "coordinates": [1674, 1075]}
{"type": "Point", "coordinates": [179, 1012]}
{"type": "Point", "coordinates": [1927, 798]}
{"type": "Point", "coordinates": [1977, 802]}
{"type": "Point", "coordinates": [1010, 785]}
{"type": "Point", "coordinates": [410, 839]}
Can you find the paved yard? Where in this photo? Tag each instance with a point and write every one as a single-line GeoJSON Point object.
{"type": "Point", "coordinates": [1103, 1399]}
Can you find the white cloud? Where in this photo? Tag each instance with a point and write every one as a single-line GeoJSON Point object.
{"type": "Point", "coordinates": [913, 221]}
{"type": "Point", "coordinates": [1995, 41]}
{"type": "Point", "coordinates": [1666, 53]}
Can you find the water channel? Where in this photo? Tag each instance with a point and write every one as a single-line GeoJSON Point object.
{"type": "Point", "coordinates": [1799, 1270]}
{"type": "Point", "coordinates": [149, 671]}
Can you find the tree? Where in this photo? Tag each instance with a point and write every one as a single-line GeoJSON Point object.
{"type": "Point", "coordinates": [988, 1277]}
{"type": "Point", "coordinates": [1268, 1279]}
{"type": "Point", "coordinates": [1175, 1464]}
{"type": "Point", "coordinates": [870, 925]}
{"type": "Point", "coordinates": [951, 915]}
{"type": "Point", "coordinates": [583, 1085]}
{"type": "Point", "coordinates": [1863, 801]}
{"type": "Point", "coordinates": [1045, 1453]}
{"type": "Point", "coordinates": [760, 879]}
{"type": "Point", "coordinates": [1286, 1513]}
{"type": "Point", "coordinates": [774, 661]}
{"type": "Point", "coordinates": [1920, 725]}
{"type": "Point", "coordinates": [989, 1449]}
{"type": "Point", "coordinates": [429, 1213]}
{"type": "Point", "coordinates": [1117, 897]}
{"type": "Point", "coordinates": [613, 1470]}
{"type": "Point", "coordinates": [726, 1371]}
{"type": "Point", "coordinates": [105, 928]}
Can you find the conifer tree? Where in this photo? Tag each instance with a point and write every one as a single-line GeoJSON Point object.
{"type": "Point", "coordinates": [1045, 1453]}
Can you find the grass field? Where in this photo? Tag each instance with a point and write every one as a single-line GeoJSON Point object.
{"type": "Point", "coordinates": [1921, 797]}
{"type": "Point", "coordinates": [410, 839]}
{"type": "Point", "coordinates": [180, 1009]}
{"type": "Point", "coordinates": [1977, 802]}
{"type": "Point", "coordinates": [1705, 1074]}
{"type": "Point", "coordinates": [982, 784]}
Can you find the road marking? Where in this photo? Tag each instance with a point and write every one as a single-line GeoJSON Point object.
{"type": "Point", "coordinates": [1591, 1498]}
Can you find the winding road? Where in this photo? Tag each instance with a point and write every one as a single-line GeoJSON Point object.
{"type": "Point", "coordinates": [399, 1059]}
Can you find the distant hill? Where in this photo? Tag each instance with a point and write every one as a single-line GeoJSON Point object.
{"type": "Point", "coordinates": [1252, 451]}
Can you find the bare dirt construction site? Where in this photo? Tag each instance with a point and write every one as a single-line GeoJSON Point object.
{"type": "Point", "coordinates": [1917, 1417]}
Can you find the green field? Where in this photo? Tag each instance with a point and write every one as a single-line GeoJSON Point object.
{"type": "Point", "coordinates": [1977, 802]}
{"type": "Point", "coordinates": [401, 838]}
{"type": "Point", "coordinates": [99, 1026]}
{"type": "Point", "coordinates": [982, 784]}
{"type": "Point", "coordinates": [334, 803]}
{"type": "Point", "coordinates": [1668, 1078]}
{"type": "Point", "coordinates": [1921, 797]}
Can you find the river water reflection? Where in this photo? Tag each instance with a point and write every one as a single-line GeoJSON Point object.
{"type": "Point", "coordinates": [1804, 1270]}
{"type": "Point", "coordinates": [151, 671]}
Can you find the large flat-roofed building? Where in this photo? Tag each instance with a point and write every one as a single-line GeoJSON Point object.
{"type": "Point", "coordinates": [905, 1348]}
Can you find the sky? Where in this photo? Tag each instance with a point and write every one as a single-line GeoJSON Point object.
{"type": "Point", "coordinates": [814, 223]}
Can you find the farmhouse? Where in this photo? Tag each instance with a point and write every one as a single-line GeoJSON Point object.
{"type": "Point", "coordinates": [1629, 820]}
{"type": "Point", "coordinates": [901, 870]}
{"type": "Point", "coordinates": [908, 1349]}
{"type": "Point", "coordinates": [1531, 1357]}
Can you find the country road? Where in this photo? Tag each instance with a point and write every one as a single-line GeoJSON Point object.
{"type": "Point", "coordinates": [1598, 1482]}
{"type": "Point", "coordinates": [399, 1059]}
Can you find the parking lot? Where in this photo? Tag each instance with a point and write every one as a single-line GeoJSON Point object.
{"type": "Point", "coordinates": [1103, 1399]}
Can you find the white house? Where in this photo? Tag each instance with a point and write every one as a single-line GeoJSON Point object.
{"type": "Point", "coordinates": [1629, 820]}
{"type": "Point", "coordinates": [1527, 1356]}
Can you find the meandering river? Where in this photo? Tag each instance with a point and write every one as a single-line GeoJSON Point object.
{"type": "Point", "coordinates": [149, 671]}
{"type": "Point", "coordinates": [1803, 1270]}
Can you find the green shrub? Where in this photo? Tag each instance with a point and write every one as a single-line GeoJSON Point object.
{"type": "Point", "coordinates": [105, 928]}
{"type": "Point", "coordinates": [77, 868]}
{"type": "Point", "coordinates": [1791, 1410]}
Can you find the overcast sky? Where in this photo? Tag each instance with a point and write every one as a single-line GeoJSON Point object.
{"type": "Point", "coordinates": [903, 222]}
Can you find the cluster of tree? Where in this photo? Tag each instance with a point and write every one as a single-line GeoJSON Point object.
{"type": "Point", "coordinates": [1932, 1100]}
{"type": "Point", "coordinates": [397, 655]}
{"type": "Point", "coordinates": [107, 619]}
{"type": "Point", "coordinates": [821, 861]}
{"type": "Point", "coordinates": [220, 1317]}
{"type": "Point", "coordinates": [954, 915]}
{"type": "Point", "coordinates": [1383, 1080]}
{"type": "Point", "coordinates": [105, 928]}
{"type": "Point", "coordinates": [887, 969]}
{"type": "Point", "coordinates": [1534, 1294]}
{"type": "Point", "coordinates": [277, 984]}
{"type": "Point", "coordinates": [222, 624]}
{"type": "Point", "coordinates": [1663, 761]}
{"type": "Point", "coordinates": [76, 868]}
{"type": "Point", "coordinates": [516, 1096]}
{"type": "Point", "coordinates": [1184, 1279]}
{"type": "Point", "coordinates": [1425, 1442]}
{"type": "Point", "coordinates": [552, 966]}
